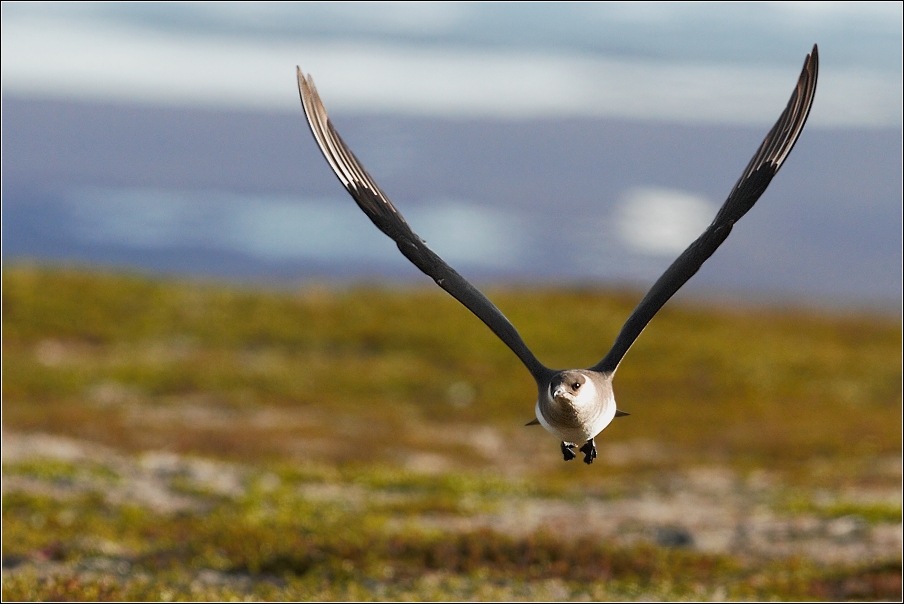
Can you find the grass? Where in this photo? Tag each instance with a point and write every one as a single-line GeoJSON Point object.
{"type": "Point", "coordinates": [872, 512]}
{"type": "Point", "coordinates": [361, 442]}
{"type": "Point", "coordinates": [773, 388]}
{"type": "Point", "coordinates": [273, 542]}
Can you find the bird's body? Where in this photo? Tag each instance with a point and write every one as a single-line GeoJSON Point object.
{"type": "Point", "coordinates": [578, 404]}
{"type": "Point", "coordinates": [574, 405]}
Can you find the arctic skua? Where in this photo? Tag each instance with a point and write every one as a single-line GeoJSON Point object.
{"type": "Point", "coordinates": [575, 405]}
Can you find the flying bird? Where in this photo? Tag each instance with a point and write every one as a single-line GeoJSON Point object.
{"type": "Point", "coordinates": [575, 405]}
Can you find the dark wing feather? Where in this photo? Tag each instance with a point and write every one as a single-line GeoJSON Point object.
{"type": "Point", "coordinates": [756, 177]}
{"type": "Point", "coordinates": [386, 217]}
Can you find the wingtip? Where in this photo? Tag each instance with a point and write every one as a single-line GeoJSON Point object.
{"type": "Point", "coordinates": [302, 77]}
{"type": "Point", "coordinates": [306, 86]}
{"type": "Point", "coordinates": [302, 85]}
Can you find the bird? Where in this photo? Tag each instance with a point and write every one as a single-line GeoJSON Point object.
{"type": "Point", "coordinates": [575, 405]}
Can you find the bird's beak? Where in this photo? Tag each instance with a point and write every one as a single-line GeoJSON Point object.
{"type": "Point", "coordinates": [559, 393]}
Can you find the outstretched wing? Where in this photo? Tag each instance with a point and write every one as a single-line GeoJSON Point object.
{"type": "Point", "coordinates": [756, 177]}
{"type": "Point", "coordinates": [382, 213]}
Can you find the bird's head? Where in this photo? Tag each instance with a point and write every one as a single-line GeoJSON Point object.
{"type": "Point", "coordinates": [566, 386]}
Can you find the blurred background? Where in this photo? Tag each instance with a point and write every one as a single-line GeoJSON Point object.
{"type": "Point", "coordinates": [206, 396]}
{"type": "Point", "coordinates": [525, 142]}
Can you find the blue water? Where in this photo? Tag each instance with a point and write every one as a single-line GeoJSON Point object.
{"type": "Point", "coordinates": [247, 195]}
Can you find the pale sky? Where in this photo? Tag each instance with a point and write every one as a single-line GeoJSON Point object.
{"type": "Point", "coordinates": [730, 64]}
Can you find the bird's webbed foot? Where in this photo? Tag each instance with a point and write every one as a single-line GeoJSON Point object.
{"type": "Point", "coordinates": [589, 451]}
{"type": "Point", "coordinates": [567, 451]}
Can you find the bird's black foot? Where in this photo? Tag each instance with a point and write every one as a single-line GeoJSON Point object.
{"type": "Point", "coordinates": [589, 451]}
{"type": "Point", "coordinates": [567, 451]}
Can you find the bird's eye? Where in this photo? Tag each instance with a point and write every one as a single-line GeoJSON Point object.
{"type": "Point", "coordinates": [576, 385]}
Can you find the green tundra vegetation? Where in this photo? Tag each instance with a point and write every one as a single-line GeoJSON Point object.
{"type": "Point", "coordinates": [175, 439]}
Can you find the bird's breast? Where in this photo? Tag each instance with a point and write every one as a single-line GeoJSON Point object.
{"type": "Point", "coordinates": [580, 418]}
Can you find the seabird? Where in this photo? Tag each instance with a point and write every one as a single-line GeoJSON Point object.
{"type": "Point", "coordinates": [575, 404]}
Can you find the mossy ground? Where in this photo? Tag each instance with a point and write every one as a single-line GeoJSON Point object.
{"type": "Point", "coordinates": [185, 440]}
